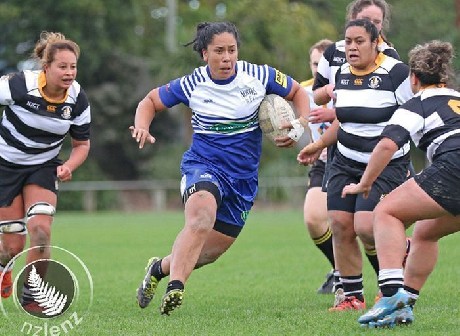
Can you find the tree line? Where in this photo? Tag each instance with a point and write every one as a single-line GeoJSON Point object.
{"type": "Point", "coordinates": [131, 46]}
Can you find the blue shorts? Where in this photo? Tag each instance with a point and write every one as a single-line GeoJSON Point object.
{"type": "Point", "coordinates": [441, 181]}
{"type": "Point", "coordinates": [235, 197]}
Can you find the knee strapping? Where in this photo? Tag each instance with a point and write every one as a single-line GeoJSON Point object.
{"type": "Point", "coordinates": [40, 208]}
{"type": "Point", "coordinates": [12, 226]}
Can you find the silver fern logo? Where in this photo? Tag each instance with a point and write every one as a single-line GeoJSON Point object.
{"type": "Point", "coordinates": [45, 295]}
{"type": "Point", "coordinates": [46, 288]}
{"type": "Point", "coordinates": [53, 296]}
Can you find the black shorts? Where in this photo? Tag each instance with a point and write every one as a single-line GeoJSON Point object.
{"type": "Point", "coordinates": [316, 174]}
{"type": "Point", "coordinates": [441, 181]}
{"type": "Point", "coordinates": [330, 156]}
{"type": "Point", "coordinates": [13, 178]}
{"type": "Point", "coordinates": [344, 171]}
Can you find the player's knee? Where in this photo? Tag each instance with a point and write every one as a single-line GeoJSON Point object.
{"type": "Point", "coordinates": [201, 220]}
{"type": "Point", "coordinates": [425, 233]}
{"type": "Point", "coordinates": [40, 208]}
{"type": "Point", "coordinates": [365, 233]}
{"type": "Point", "coordinates": [11, 249]}
{"type": "Point", "coordinates": [341, 228]}
{"type": "Point", "coordinates": [39, 220]}
{"type": "Point", "coordinates": [312, 221]}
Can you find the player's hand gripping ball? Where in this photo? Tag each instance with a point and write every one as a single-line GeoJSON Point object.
{"type": "Point", "coordinates": [275, 111]}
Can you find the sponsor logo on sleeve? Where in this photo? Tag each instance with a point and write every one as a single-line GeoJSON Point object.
{"type": "Point", "coordinates": [281, 78]}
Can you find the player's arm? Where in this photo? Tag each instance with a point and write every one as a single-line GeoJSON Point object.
{"type": "Point", "coordinates": [299, 97]}
{"type": "Point", "coordinates": [78, 155]}
{"type": "Point", "coordinates": [145, 112]}
{"type": "Point", "coordinates": [324, 94]}
{"type": "Point", "coordinates": [329, 137]}
{"type": "Point", "coordinates": [311, 152]}
{"type": "Point", "coordinates": [290, 89]}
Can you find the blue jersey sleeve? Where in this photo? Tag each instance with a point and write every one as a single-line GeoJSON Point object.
{"type": "Point", "coordinates": [172, 93]}
{"type": "Point", "coordinates": [278, 82]}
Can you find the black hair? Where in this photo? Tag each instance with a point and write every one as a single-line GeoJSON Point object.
{"type": "Point", "coordinates": [367, 25]}
{"type": "Point", "coordinates": [205, 32]}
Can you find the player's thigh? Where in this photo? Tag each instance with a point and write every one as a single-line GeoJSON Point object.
{"type": "Point", "coordinates": [315, 206]}
{"type": "Point", "coordinates": [435, 229]}
{"type": "Point", "coordinates": [34, 193]}
{"type": "Point", "coordinates": [14, 211]}
{"type": "Point", "coordinates": [409, 203]}
{"type": "Point", "coordinates": [215, 245]}
{"type": "Point", "coordinates": [440, 181]}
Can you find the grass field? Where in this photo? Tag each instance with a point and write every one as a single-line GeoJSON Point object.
{"type": "Point", "coordinates": [264, 285]}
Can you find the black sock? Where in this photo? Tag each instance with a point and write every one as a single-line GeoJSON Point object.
{"type": "Point", "coordinates": [353, 286]}
{"type": "Point", "coordinates": [324, 243]}
{"type": "Point", "coordinates": [374, 261]}
{"type": "Point", "coordinates": [337, 282]}
{"type": "Point", "coordinates": [389, 290]}
{"type": "Point", "coordinates": [413, 293]}
{"type": "Point", "coordinates": [26, 296]}
{"type": "Point", "coordinates": [411, 290]}
{"type": "Point", "coordinates": [157, 271]}
{"type": "Point", "coordinates": [174, 284]}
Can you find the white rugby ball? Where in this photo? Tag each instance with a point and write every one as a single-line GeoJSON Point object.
{"type": "Point", "coordinates": [274, 110]}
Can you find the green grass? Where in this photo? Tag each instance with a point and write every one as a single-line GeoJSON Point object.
{"type": "Point", "coordinates": [264, 285]}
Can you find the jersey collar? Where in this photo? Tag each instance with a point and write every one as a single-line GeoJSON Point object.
{"type": "Point", "coordinates": [378, 62]}
{"type": "Point", "coordinates": [42, 84]}
{"type": "Point", "coordinates": [222, 81]}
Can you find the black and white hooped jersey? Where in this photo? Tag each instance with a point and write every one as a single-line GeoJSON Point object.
{"type": "Point", "coordinates": [431, 118]}
{"type": "Point", "coordinates": [32, 128]}
{"type": "Point", "coordinates": [226, 132]}
{"type": "Point", "coordinates": [365, 103]}
{"type": "Point", "coordinates": [334, 57]}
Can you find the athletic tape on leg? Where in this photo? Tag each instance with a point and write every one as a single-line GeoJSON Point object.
{"type": "Point", "coordinates": [12, 226]}
{"type": "Point", "coordinates": [41, 208]}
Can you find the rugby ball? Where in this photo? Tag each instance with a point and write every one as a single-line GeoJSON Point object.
{"type": "Point", "coordinates": [274, 110]}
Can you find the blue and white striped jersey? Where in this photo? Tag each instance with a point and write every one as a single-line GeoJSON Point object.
{"type": "Point", "coordinates": [431, 118]}
{"type": "Point", "coordinates": [334, 57]}
{"type": "Point", "coordinates": [365, 103]}
{"type": "Point", "coordinates": [225, 114]}
{"type": "Point", "coordinates": [32, 128]}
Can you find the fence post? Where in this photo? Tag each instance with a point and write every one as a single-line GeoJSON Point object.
{"type": "Point", "coordinates": [89, 200]}
{"type": "Point", "coordinates": [158, 199]}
